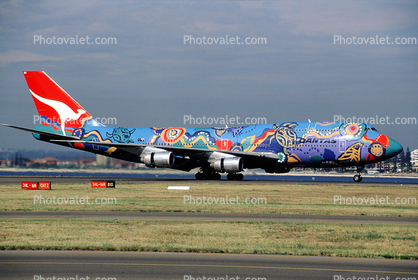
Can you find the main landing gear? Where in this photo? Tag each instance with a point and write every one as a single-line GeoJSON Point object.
{"type": "Point", "coordinates": [211, 175]}
{"type": "Point", "coordinates": [357, 178]}
{"type": "Point", "coordinates": [235, 176]}
{"type": "Point", "coordinates": [208, 175]}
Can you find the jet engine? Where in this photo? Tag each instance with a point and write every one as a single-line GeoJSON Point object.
{"type": "Point", "coordinates": [159, 159]}
{"type": "Point", "coordinates": [229, 165]}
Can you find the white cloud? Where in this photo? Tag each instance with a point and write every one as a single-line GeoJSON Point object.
{"type": "Point", "coordinates": [22, 56]}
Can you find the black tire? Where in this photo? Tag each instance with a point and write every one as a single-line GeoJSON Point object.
{"type": "Point", "coordinates": [357, 178]}
{"type": "Point", "coordinates": [230, 176]}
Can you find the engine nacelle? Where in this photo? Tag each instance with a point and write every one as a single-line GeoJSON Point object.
{"type": "Point", "coordinates": [229, 165]}
{"type": "Point", "coordinates": [159, 159]}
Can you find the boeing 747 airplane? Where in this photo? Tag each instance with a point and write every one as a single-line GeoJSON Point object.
{"type": "Point", "coordinates": [274, 147]}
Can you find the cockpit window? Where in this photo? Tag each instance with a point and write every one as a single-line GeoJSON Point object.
{"type": "Point", "coordinates": [372, 129]}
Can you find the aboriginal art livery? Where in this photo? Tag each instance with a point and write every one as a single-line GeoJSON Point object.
{"type": "Point", "coordinates": [274, 147]}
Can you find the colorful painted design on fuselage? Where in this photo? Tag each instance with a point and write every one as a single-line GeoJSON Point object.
{"type": "Point", "coordinates": [295, 144]}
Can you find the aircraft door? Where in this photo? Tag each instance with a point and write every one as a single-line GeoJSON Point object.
{"type": "Point", "coordinates": [311, 126]}
{"type": "Point", "coordinates": [342, 145]}
{"type": "Point", "coordinates": [224, 145]}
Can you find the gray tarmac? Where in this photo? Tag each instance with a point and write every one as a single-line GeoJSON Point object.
{"type": "Point", "coordinates": [198, 266]}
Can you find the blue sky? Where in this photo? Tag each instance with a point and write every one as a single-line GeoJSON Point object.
{"type": "Point", "coordinates": [151, 78]}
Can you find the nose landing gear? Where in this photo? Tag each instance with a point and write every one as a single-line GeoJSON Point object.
{"type": "Point", "coordinates": [357, 178]}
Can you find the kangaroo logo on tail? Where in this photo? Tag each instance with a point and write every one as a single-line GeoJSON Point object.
{"type": "Point", "coordinates": [64, 111]}
{"type": "Point", "coordinates": [52, 102]}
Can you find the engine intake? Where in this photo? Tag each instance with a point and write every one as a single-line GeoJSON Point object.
{"type": "Point", "coordinates": [229, 165]}
{"type": "Point", "coordinates": [159, 159]}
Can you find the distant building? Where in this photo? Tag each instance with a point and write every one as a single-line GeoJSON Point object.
{"type": "Point", "coordinates": [102, 160]}
{"type": "Point", "coordinates": [48, 161]}
{"type": "Point", "coordinates": [414, 159]}
{"type": "Point", "coordinates": [6, 162]}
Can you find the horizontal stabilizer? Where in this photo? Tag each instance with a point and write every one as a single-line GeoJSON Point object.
{"type": "Point", "coordinates": [49, 134]}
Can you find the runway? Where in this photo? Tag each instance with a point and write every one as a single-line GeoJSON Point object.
{"type": "Point", "coordinates": [188, 266]}
{"type": "Point", "coordinates": [199, 216]}
{"type": "Point", "coordinates": [181, 181]}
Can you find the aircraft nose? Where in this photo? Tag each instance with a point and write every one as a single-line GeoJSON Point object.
{"type": "Point", "coordinates": [394, 148]}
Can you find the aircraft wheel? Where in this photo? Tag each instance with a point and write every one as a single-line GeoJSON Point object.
{"type": "Point", "coordinates": [357, 178]}
{"type": "Point", "coordinates": [199, 176]}
{"type": "Point", "coordinates": [235, 176]}
{"type": "Point", "coordinates": [216, 176]}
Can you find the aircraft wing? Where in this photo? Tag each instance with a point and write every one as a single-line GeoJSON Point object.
{"type": "Point", "coordinates": [177, 150]}
{"type": "Point", "coordinates": [192, 153]}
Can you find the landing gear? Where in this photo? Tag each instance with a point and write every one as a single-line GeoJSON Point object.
{"type": "Point", "coordinates": [211, 175]}
{"type": "Point", "coordinates": [235, 176]}
{"type": "Point", "coordinates": [357, 178]}
{"type": "Point", "coordinates": [208, 175]}
{"type": "Point", "coordinates": [199, 176]}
